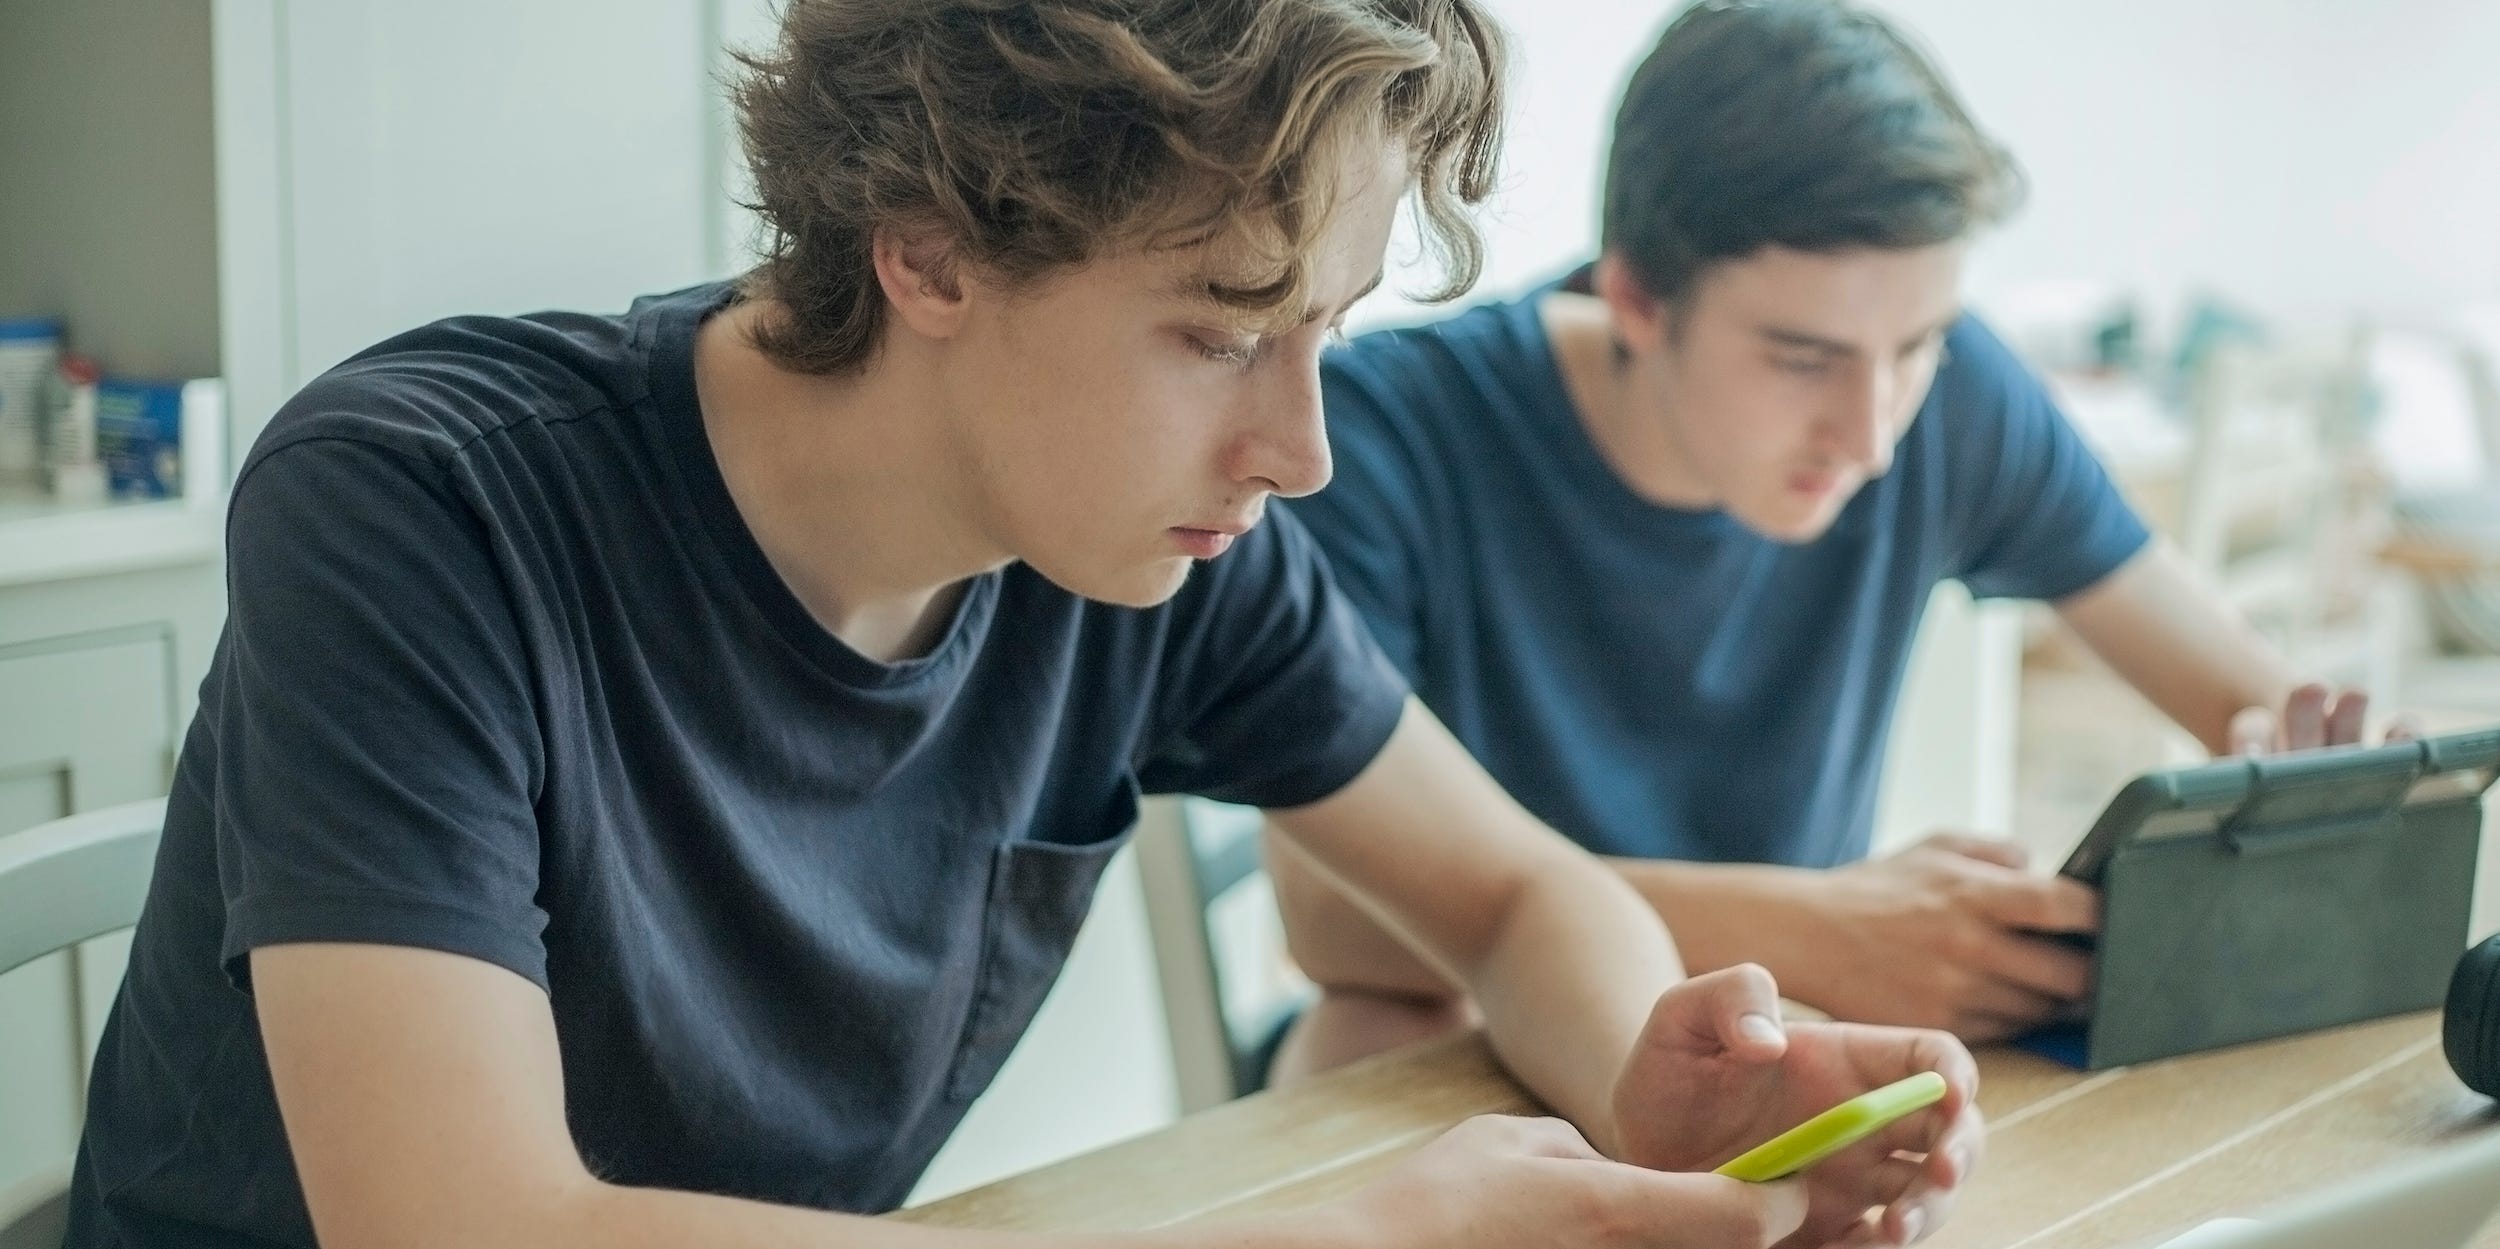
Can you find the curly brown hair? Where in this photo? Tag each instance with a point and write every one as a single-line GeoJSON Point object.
{"type": "Point", "coordinates": [1026, 136]}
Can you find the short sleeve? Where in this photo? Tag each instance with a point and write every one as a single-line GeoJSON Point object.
{"type": "Point", "coordinates": [2035, 514]}
{"type": "Point", "coordinates": [1272, 693]}
{"type": "Point", "coordinates": [377, 753]}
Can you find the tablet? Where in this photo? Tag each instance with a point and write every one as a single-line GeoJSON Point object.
{"type": "Point", "coordinates": [2258, 897]}
{"type": "Point", "coordinates": [2287, 800]}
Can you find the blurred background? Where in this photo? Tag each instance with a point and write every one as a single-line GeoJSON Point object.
{"type": "Point", "coordinates": [2260, 265]}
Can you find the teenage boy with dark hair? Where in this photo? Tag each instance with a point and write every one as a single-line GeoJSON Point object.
{"type": "Point", "coordinates": [1654, 541]}
{"type": "Point", "coordinates": [656, 764]}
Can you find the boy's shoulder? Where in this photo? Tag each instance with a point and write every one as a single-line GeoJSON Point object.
{"type": "Point", "coordinates": [433, 391]}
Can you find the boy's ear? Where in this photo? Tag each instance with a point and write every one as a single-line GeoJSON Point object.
{"type": "Point", "coordinates": [919, 277]}
{"type": "Point", "coordinates": [1641, 319]}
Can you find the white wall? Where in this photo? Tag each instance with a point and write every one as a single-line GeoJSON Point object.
{"type": "Point", "coordinates": [478, 156]}
{"type": "Point", "coordinates": [2308, 157]}
{"type": "Point", "coordinates": [2303, 156]}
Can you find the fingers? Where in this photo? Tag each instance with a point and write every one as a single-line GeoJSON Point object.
{"type": "Point", "coordinates": [1862, 1183]}
{"type": "Point", "coordinates": [1906, 1193]}
{"type": "Point", "coordinates": [1984, 849]}
{"type": "Point", "coordinates": [2304, 718]}
{"type": "Point", "coordinates": [2404, 728]}
{"type": "Point", "coordinates": [1926, 1185]}
{"type": "Point", "coordinates": [1977, 1028]}
{"type": "Point", "coordinates": [2040, 903]}
{"type": "Point", "coordinates": [1994, 1011]}
{"type": "Point", "coordinates": [2057, 972]}
{"type": "Point", "coordinates": [2312, 717]}
{"type": "Point", "coordinates": [2346, 717]}
{"type": "Point", "coordinates": [1910, 1219]}
{"type": "Point", "coordinates": [1949, 1164]}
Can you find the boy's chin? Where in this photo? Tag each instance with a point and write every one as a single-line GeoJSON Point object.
{"type": "Point", "coordinates": [1792, 523]}
{"type": "Point", "coordinates": [1135, 585]}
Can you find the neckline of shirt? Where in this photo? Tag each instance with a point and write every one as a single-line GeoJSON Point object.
{"type": "Point", "coordinates": [663, 333]}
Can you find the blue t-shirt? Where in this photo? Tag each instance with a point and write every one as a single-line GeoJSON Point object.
{"type": "Point", "coordinates": [1664, 683]}
{"type": "Point", "coordinates": [506, 675]}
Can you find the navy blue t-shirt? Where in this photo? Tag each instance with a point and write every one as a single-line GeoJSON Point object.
{"type": "Point", "coordinates": [1665, 683]}
{"type": "Point", "coordinates": [507, 676]}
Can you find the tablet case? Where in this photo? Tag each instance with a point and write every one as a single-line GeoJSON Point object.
{"type": "Point", "coordinates": [2253, 898]}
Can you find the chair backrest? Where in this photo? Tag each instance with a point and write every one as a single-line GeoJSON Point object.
{"type": "Point", "coordinates": [62, 883]}
{"type": "Point", "coordinates": [1219, 948]}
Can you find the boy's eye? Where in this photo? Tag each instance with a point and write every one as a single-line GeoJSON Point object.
{"type": "Point", "coordinates": [1240, 353]}
{"type": "Point", "coordinates": [1799, 366]}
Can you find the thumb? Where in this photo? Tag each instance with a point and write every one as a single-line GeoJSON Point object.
{"type": "Point", "coordinates": [1736, 1009]}
{"type": "Point", "coordinates": [2253, 731]}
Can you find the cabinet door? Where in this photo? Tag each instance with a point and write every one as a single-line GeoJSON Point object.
{"type": "Point", "coordinates": [482, 156]}
{"type": "Point", "coordinates": [81, 726]}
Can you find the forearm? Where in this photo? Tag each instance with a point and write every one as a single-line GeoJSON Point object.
{"type": "Point", "coordinates": [1563, 958]}
{"type": "Point", "coordinates": [2178, 642]}
{"type": "Point", "coordinates": [423, 1099]}
{"type": "Point", "coordinates": [1578, 948]}
{"type": "Point", "coordinates": [1722, 914]}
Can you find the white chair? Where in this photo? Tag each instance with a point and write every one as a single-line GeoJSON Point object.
{"type": "Point", "coordinates": [1218, 944]}
{"type": "Point", "coordinates": [62, 883]}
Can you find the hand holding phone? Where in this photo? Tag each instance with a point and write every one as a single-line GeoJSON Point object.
{"type": "Point", "coordinates": [1835, 1129]}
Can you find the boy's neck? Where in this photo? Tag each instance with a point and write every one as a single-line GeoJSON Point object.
{"type": "Point", "coordinates": [848, 485]}
{"type": "Point", "coordinates": [1629, 426]}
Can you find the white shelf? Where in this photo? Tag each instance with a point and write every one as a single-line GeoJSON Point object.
{"type": "Point", "coordinates": [41, 540]}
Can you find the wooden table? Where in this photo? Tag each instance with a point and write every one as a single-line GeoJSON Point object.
{"type": "Point", "coordinates": [2075, 1160]}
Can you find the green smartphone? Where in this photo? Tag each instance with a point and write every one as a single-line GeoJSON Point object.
{"type": "Point", "coordinates": [1835, 1129]}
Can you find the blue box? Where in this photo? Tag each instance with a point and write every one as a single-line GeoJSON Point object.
{"type": "Point", "coordinates": [138, 430]}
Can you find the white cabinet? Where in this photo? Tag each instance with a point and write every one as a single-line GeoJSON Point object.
{"type": "Point", "coordinates": [87, 719]}
{"type": "Point", "coordinates": [255, 189]}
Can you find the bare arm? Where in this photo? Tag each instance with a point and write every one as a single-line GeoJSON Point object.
{"type": "Point", "coordinates": [1584, 997]}
{"type": "Point", "coordinates": [423, 1099]}
{"type": "Point", "coordinates": [1941, 935]}
{"type": "Point", "coordinates": [1564, 959]}
{"type": "Point", "coordinates": [424, 1102]}
{"type": "Point", "coordinates": [2181, 645]}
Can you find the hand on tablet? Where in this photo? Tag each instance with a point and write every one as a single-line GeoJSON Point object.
{"type": "Point", "coordinates": [2313, 716]}
{"type": "Point", "coordinates": [1947, 934]}
{"type": "Point", "coordinates": [1716, 1072]}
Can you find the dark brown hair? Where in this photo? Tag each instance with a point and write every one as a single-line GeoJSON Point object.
{"type": "Point", "coordinates": [1025, 136]}
{"type": "Point", "coordinates": [1807, 124]}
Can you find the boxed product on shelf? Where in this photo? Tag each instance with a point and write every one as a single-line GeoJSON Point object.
{"type": "Point", "coordinates": [29, 349]}
{"type": "Point", "coordinates": [155, 437]}
{"type": "Point", "coordinates": [70, 465]}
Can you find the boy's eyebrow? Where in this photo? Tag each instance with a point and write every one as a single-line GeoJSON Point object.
{"type": "Point", "coordinates": [1814, 342]}
{"type": "Point", "coordinates": [1198, 289]}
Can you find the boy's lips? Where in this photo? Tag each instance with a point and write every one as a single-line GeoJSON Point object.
{"type": "Point", "coordinates": [1210, 540]}
{"type": "Point", "coordinates": [1816, 482]}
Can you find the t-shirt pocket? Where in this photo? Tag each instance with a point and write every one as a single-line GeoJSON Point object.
{"type": "Point", "coordinates": [1039, 894]}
